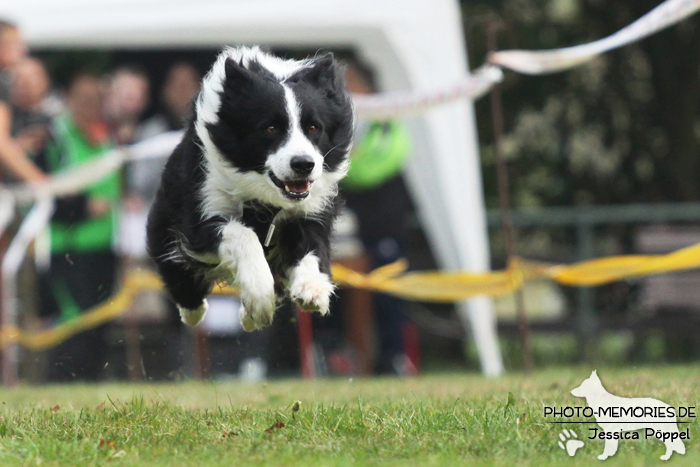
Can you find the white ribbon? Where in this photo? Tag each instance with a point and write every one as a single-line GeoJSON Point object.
{"type": "Point", "coordinates": [550, 61]}
{"type": "Point", "coordinates": [395, 104]}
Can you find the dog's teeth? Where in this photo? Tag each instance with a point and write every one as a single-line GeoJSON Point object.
{"type": "Point", "coordinates": [286, 188]}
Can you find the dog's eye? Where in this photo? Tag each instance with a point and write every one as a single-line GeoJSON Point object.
{"type": "Point", "coordinates": [272, 129]}
{"type": "Point", "coordinates": [312, 129]}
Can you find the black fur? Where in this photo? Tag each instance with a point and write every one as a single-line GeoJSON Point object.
{"type": "Point", "coordinates": [175, 220]}
{"type": "Point", "coordinates": [180, 235]}
{"type": "Point", "coordinates": [250, 103]}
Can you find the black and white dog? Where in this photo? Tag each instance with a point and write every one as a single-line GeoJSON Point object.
{"type": "Point", "coordinates": [249, 195]}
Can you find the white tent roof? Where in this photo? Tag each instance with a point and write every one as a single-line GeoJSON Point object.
{"type": "Point", "coordinates": [412, 44]}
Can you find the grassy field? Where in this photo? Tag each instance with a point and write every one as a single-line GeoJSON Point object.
{"type": "Point", "coordinates": [437, 420]}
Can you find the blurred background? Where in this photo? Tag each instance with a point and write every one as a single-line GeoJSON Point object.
{"type": "Point", "coordinates": [602, 161]}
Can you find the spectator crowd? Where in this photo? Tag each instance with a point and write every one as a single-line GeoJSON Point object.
{"type": "Point", "coordinates": [45, 130]}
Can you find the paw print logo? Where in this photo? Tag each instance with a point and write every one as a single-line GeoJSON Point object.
{"type": "Point", "coordinates": [568, 442]}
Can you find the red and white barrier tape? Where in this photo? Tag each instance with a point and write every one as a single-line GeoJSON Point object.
{"type": "Point", "coordinates": [394, 104]}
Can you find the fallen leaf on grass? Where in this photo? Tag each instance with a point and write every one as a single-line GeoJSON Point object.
{"type": "Point", "coordinates": [276, 425]}
{"type": "Point", "coordinates": [101, 406]}
{"type": "Point", "coordinates": [109, 444]}
{"type": "Point", "coordinates": [228, 434]}
{"type": "Point", "coordinates": [121, 453]}
{"type": "Point", "coordinates": [55, 408]}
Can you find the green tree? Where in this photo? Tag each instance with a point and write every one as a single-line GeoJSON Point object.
{"type": "Point", "coordinates": [622, 128]}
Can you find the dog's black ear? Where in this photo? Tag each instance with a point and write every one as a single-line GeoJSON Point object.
{"type": "Point", "coordinates": [236, 74]}
{"type": "Point", "coordinates": [324, 71]}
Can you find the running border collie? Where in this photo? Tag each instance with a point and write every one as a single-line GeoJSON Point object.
{"type": "Point", "coordinates": [249, 195]}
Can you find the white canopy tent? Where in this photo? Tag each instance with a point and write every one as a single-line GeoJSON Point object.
{"type": "Point", "coordinates": [412, 45]}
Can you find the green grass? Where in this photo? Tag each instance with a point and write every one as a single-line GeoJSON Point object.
{"type": "Point", "coordinates": [432, 420]}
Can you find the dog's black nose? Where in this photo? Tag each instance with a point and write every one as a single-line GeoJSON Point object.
{"type": "Point", "coordinates": [303, 165]}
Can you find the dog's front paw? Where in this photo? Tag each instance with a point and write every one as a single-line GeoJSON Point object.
{"type": "Point", "coordinates": [312, 295]}
{"type": "Point", "coordinates": [310, 288]}
{"type": "Point", "coordinates": [195, 316]}
{"type": "Point", "coordinates": [257, 316]}
{"type": "Point", "coordinates": [259, 301]}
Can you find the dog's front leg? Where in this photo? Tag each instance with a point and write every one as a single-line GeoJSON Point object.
{"type": "Point", "coordinates": [309, 287]}
{"type": "Point", "coordinates": [242, 254]}
{"type": "Point", "coordinates": [305, 247]}
{"type": "Point", "coordinates": [609, 449]}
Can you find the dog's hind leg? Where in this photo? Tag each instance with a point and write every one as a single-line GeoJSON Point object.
{"type": "Point", "coordinates": [188, 290]}
{"type": "Point", "coordinates": [676, 445]}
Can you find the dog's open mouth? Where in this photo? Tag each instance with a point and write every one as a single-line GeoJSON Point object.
{"type": "Point", "coordinates": [292, 189]}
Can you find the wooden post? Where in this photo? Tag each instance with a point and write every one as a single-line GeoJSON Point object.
{"type": "Point", "coordinates": [306, 344]}
{"type": "Point", "coordinates": [133, 348]}
{"type": "Point", "coordinates": [504, 199]}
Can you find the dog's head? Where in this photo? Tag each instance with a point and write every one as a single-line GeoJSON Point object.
{"type": "Point", "coordinates": [275, 130]}
{"type": "Point", "coordinates": [590, 386]}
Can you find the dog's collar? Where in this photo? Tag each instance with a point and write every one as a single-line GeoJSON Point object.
{"type": "Point", "coordinates": [264, 218]}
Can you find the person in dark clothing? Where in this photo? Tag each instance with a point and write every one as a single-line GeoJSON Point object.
{"type": "Point", "coordinates": [30, 123]}
{"type": "Point", "coordinates": [77, 282]}
{"type": "Point", "coordinates": [375, 192]}
{"type": "Point", "coordinates": [180, 88]}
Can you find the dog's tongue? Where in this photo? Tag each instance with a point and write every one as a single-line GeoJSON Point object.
{"type": "Point", "coordinates": [297, 186]}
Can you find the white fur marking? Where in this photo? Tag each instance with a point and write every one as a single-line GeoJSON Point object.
{"type": "Point", "coordinates": [297, 144]}
{"type": "Point", "coordinates": [309, 287]}
{"type": "Point", "coordinates": [243, 257]}
{"type": "Point", "coordinates": [193, 317]}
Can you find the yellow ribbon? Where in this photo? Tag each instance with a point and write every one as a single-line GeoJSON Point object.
{"type": "Point", "coordinates": [426, 286]}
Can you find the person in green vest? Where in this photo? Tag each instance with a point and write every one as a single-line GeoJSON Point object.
{"type": "Point", "coordinates": [375, 192]}
{"type": "Point", "coordinates": [83, 262]}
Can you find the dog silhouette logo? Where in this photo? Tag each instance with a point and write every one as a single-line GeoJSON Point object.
{"type": "Point", "coordinates": [622, 417]}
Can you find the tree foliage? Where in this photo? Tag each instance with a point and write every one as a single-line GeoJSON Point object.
{"type": "Point", "coordinates": [622, 128]}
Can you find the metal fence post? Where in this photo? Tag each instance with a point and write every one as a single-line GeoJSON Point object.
{"type": "Point", "coordinates": [586, 319]}
{"type": "Point", "coordinates": [32, 226]}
